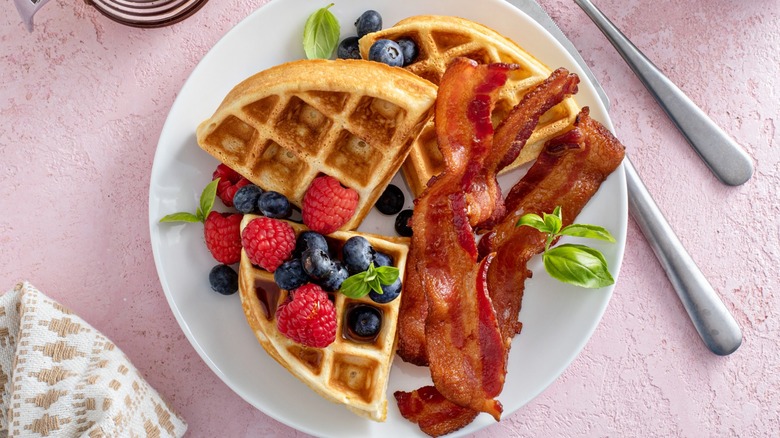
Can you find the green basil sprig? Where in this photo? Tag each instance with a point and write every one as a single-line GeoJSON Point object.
{"type": "Point", "coordinates": [206, 204]}
{"type": "Point", "coordinates": [373, 278]}
{"type": "Point", "coordinates": [321, 34]}
{"type": "Point", "coordinates": [579, 265]}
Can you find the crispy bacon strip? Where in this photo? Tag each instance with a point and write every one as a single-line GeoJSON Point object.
{"type": "Point", "coordinates": [465, 349]}
{"type": "Point", "coordinates": [514, 131]}
{"type": "Point", "coordinates": [509, 139]}
{"type": "Point", "coordinates": [411, 318]}
{"type": "Point", "coordinates": [435, 415]}
{"type": "Point", "coordinates": [465, 141]}
{"type": "Point", "coordinates": [567, 173]}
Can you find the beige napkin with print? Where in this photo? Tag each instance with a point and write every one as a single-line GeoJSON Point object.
{"type": "Point", "coordinates": [61, 377]}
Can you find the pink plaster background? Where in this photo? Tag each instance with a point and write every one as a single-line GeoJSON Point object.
{"type": "Point", "coordinates": [83, 100]}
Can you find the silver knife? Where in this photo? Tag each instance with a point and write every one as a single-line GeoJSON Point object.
{"type": "Point", "coordinates": [709, 315]}
{"type": "Point", "coordinates": [725, 158]}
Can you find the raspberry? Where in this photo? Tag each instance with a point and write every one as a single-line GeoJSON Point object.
{"type": "Point", "coordinates": [229, 183]}
{"type": "Point", "coordinates": [268, 242]}
{"type": "Point", "coordinates": [223, 236]}
{"type": "Point", "coordinates": [309, 319]}
{"type": "Point", "coordinates": [327, 205]}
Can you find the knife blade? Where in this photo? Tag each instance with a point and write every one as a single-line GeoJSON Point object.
{"type": "Point", "coordinates": [712, 320]}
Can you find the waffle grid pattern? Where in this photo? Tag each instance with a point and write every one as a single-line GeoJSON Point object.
{"type": "Point", "coordinates": [350, 372]}
{"type": "Point", "coordinates": [441, 39]}
{"type": "Point", "coordinates": [352, 120]}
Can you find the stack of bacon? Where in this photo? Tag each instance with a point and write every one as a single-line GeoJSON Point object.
{"type": "Point", "coordinates": [461, 301]}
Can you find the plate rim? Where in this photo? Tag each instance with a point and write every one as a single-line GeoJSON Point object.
{"type": "Point", "coordinates": [619, 174]}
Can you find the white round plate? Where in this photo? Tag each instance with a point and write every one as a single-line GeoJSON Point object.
{"type": "Point", "coordinates": [557, 319]}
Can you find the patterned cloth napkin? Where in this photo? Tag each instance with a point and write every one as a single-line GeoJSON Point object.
{"type": "Point", "coordinates": [61, 377]}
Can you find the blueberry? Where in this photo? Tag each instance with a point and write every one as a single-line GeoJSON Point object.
{"type": "Point", "coordinates": [317, 264]}
{"type": "Point", "coordinates": [409, 50]}
{"type": "Point", "coordinates": [357, 254]}
{"type": "Point", "coordinates": [364, 321]}
{"type": "Point", "coordinates": [334, 280]}
{"type": "Point", "coordinates": [387, 52]}
{"type": "Point", "coordinates": [348, 48]}
{"type": "Point", "coordinates": [290, 275]}
{"type": "Point", "coordinates": [245, 199]}
{"type": "Point", "coordinates": [274, 204]}
{"type": "Point", "coordinates": [402, 225]}
{"type": "Point", "coordinates": [223, 279]}
{"type": "Point", "coordinates": [391, 201]}
{"type": "Point", "coordinates": [369, 22]}
{"type": "Point", "coordinates": [310, 240]}
{"type": "Point", "coordinates": [382, 259]}
{"type": "Point", "coordinates": [389, 293]}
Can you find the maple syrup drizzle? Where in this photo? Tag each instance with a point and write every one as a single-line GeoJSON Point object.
{"type": "Point", "coordinates": [268, 294]}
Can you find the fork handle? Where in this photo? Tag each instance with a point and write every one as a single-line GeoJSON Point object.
{"type": "Point", "coordinates": [709, 315]}
{"type": "Point", "coordinates": [725, 158]}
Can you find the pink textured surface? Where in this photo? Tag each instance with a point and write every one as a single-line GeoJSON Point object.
{"type": "Point", "coordinates": [83, 102]}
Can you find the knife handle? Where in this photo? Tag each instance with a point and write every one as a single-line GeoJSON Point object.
{"type": "Point", "coordinates": [709, 315]}
{"type": "Point", "coordinates": [725, 158]}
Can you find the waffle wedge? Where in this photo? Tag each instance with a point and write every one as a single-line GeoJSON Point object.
{"type": "Point", "coordinates": [348, 371]}
{"type": "Point", "coordinates": [351, 119]}
{"type": "Point", "coordinates": [441, 39]}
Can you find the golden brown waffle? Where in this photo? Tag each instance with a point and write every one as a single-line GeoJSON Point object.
{"type": "Point", "coordinates": [351, 119]}
{"type": "Point", "coordinates": [348, 371]}
{"type": "Point", "coordinates": [441, 39]}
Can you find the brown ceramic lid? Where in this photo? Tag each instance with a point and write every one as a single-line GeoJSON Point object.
{"type": "Point", "coordinates": [147, 13]}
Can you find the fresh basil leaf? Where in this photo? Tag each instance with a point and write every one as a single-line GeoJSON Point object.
{"type": "Point", "coordinates": [534, 221]}
{"type": "Point", "coordinates": [387, 275]}
{"type": "Point", "coordinates": [370, 273]}
{"type": "Point", "coordinates": [355, 286]}
{"type": "Point", "coordinates": [578, 265]}
{"type": "Point", "coordinates": [321, 34]}
{"type": "Point", "coordinates": [589, 231]}
{"type": "Point", "coordinates": [574, 264]}
{"type": "Point", "coordinates": [207, 198]}
{"type": "Point", "coordinates": [553, 221]}
{"type": "Point", "coordinates": [375, 285]}
{"type": "Point", "coordinates": [180, 217]}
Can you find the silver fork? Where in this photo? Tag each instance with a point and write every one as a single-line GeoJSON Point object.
{"type": "Point", "coordinates": [712, 320]}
